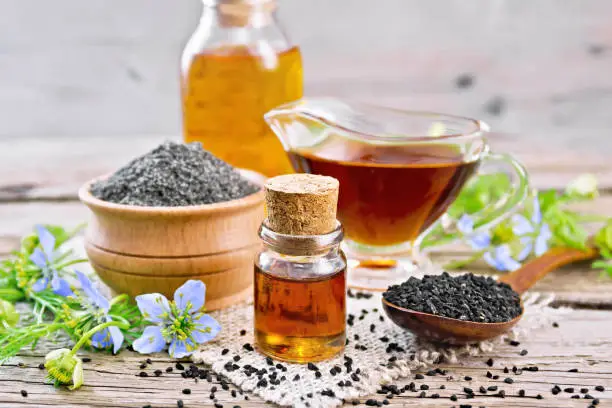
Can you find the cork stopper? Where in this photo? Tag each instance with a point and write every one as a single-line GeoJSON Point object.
{"type": "Point", "coordinates": [242, 13]}
{"type": "Point", "coordinates": [301, 204]}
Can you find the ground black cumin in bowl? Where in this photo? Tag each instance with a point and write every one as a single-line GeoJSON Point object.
{"type": "Point", "coordinates": [465, 297]}
{"type": "Point", "coordinates": [174, 175]}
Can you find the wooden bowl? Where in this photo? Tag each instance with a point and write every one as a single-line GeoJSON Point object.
{"type": "Point", "coordinates": [138, 250]}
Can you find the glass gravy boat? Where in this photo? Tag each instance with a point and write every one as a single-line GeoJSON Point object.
{"type": "Point", "coordinates": [399, 171]}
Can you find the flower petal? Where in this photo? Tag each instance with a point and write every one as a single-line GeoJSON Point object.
{"type": "Point", "coordinates": [180, 348]}
{"type": "Point", "coordinates": [504, 259]}
{"type": "Point", "coordinates": [521, 225]}
{"type": "Point", "coordinates": [206, 328]}
{"type": "Point", "coordinates": [95, 297]}
{"type": "Point", "coordinates": [40, 284]}
{"type": "Point", "coordinates": [536, 217]}
{"type": "Point", "coordinates": [101, 339]}
{"type": "Point", "coordinates": [541, 241]}
{"type": "Point", "coordinates": [47, 241]}
{"type": "Point", "coordinates": [38, 258]}
{"type": "Point", "coordinates": [465, 224]}
{"type": "Point", "coordinates": [191, 295]}
{"type": "Point", "coordinates": [526, 248]}
{"type": "Point", "coordinates": [60, 286]}
{"type": "Point", "coordinates": [154, 307]}
{"type": "Point", "coordinates": [480, 241]}
{"type": "Point", "coordinates": [117, 338]}
{"type": "Point", "coordinates": [151, 341]}
{"type": "Point", "coordinates": [77, 375]}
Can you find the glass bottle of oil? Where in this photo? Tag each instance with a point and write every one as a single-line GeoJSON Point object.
{"type": "Point", "coordinates": [300, 275]}
{"type": "Point", "coordinates": [238, 65]}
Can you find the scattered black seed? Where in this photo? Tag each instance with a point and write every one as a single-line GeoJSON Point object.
{"type": "Point", "coordinates": [444, 295]}
{"type": "Point", "coordinates": [158, 373]}
{"type": "Point", "coordinates": [482, 390]}
{"type": "Point", "coordinates": [555, 324]}
{"type": "Point", "coordinates": [248, 347]}
{"type": "Point", "coordinates": [224, 386]}
{"type": "Point", "coordinates": [179, 366]}
{"type": "Point", "coordinates": [41, 366]}
{"type": "Point", "coordinates": [495, 377]}
{"type": "Point", "coordinates": [501, 394]}
{"type": "Point", "coordinates": [533, 368]}
{"type": "Point", "coordinates": [419, 377]}
{"type": "Point", "coordinates": [495, 106]}
{"type": "Point", "coordinates": [588, 396]}
{"type": "Point", "coordinates": [385, 402]}
{"type": "Point", "coordinates": [431, 373]}
{"type": "Point", "coordinates": [555, 390]}
{"type": "Point", "coordinates": [514, 343]}
{"type": "Point", "coordinates": [86, 359]}
{"type": "Point", "coordinates": [169, 369]}
{"type": "Point", "coordinates": [313, 367]}
{"type": "Point", "coordinates": [539, 396]}
{"type": "Point", "coordinates": [296, 378]}
{"type": "Point", "coordinates": [464, 81]}
{"type": "Point", "coordinates": [443, 387]}
{"type": "Point", "coordinates": [328, 393]}
{"type": "Point", "coordinates": [180, 404]}
{"type": "Point", "coordinates": [355, 402]}
{"type": "Point", "coordinates": [523, 352]}
{"type": "Point", "coordinates": [508, 380]}
{"type": "Point", "coordinates": [506, 370]}
{"type": "Point", "coordinates": [453, 397]}
{"type": "Point", "coordinates": [236, 358]}
{"type": "Point", "coordinates": [142, 365]}
{"type": "Point", "coordinates": [573, 370]}
{"type": "Point", "coordinates": [600, 388]}
{"type": "Point", "coordinates": [489, 374]}
{"type": "Point", "coordinates": [242, 332]}
{"type": "Point", "coordinates": [492, 388]}
{"type": "Point", "coordinates": [186, 391]}
{"type": "Point", "coordinates": [434, 396]}
{"type": "Point", "coordinates": [24, 393]}
{"type": "Point", "coordinates": [468, 390]}
{"type": "Point", "coordinates": [521, 393]}
{"type": "Point", "coordinates": [467, 378]}
{"type": "Point", "coordinates": [149, 361]}
{"type": "Point", "coordinates": [595, 401]}
{"type": "Point", "coordinates": [569, 390]}
{"type": "Point", "coordinates": [371, 403]}
{"type": "Point", "coordinates": [576, 396]}
{"type": "Point", "coordinates": [424, 387]}
{"type": "Point", "coordinates": [490, 363]}
{"type": "Point", "coordinates": [143, 374]}
{"type": "Point", "coordinates": [584, 390]}
{"type": "Point", "coordinates": [465, 406]}
{"type": "Point", "coordinates": [422, 394]}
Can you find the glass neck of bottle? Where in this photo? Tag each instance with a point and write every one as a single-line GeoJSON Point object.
{"type": "Point", "coordinates": [239, 13]}
{"type": "Point", "coordinates": [302, 245]}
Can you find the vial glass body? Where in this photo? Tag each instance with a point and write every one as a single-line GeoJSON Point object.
{"type": "Point", "coordinates": [300, 302]}
{"type": "Point", "coordinates": [238, 65]}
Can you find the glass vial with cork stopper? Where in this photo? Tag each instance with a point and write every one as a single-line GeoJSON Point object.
{"type": "Point", "coordinates": [300, 275]}
{"type": "Point", "coordinates": [236, 66]}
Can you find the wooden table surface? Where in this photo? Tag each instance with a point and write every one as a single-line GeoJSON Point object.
{"type": "Point", "coordinates": [45, 192]}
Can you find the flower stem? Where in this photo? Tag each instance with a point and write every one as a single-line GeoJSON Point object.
{"type": "Point", "coordinates": [10, 294]}
{"type": "Point", "coordinates": [93, 331]}
{"type": "Point", "coordinates": [119, 298]}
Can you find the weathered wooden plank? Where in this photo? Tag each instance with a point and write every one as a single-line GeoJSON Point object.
{"type": "Point", "coordinates": [111, 70]}
{"type": "Point", "coordinates": [114, 381]}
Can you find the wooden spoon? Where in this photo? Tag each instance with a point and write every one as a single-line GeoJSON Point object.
{"type": "Point", "coordinates": [454, 331]}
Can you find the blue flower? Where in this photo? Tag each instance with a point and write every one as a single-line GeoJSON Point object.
{"type": "Point", "coordinates": [180, 322]}
{"type": "Point", "coordinates": [44, 259]}
{"type": "Point", "coordinates": [527, 230]}
{"type": "Point", "coordinates": [99, 307]}
{"type": "Point", "coordinates": [499, 257]}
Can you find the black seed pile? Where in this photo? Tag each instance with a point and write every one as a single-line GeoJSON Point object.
{"type": "Point", "coordinates": [174, 175]}
{"type": "Point", "coordinates": [465, 297]}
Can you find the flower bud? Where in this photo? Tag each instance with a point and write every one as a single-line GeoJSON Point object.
{"type": "Point", "coordinates": [64, 368]}
{"type": "Point", "coordinates": [583, 186]}
{"type": "Point", "coordinates": [8, 316]}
